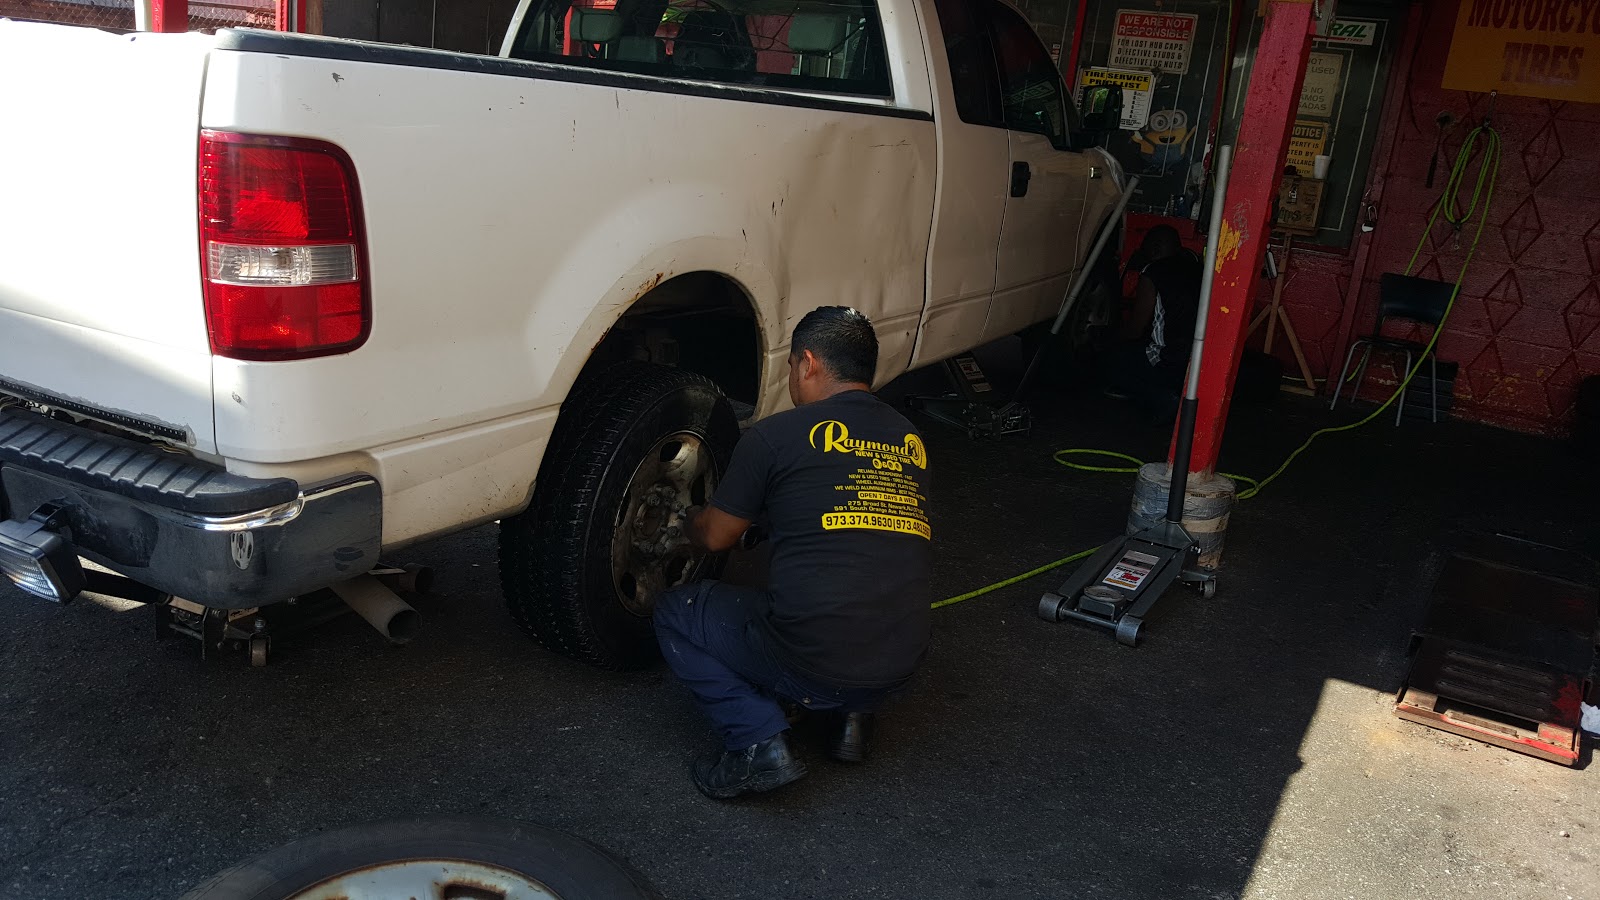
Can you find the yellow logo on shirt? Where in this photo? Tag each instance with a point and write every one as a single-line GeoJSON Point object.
{"type": "Point", "coordinates": [831, 436]}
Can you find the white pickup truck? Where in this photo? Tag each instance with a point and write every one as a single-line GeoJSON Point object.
{"type": "Point", "coordinates": [275, 306]}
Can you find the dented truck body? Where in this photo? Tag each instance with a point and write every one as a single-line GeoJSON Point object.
{"type": "Point", "coordinates": [506, 221]}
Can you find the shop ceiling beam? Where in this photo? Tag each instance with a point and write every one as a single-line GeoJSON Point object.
{"type": "Point", "coordinates": [1272, 96]}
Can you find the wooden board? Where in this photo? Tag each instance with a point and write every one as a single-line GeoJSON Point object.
{"type": "Point", "coordinates": [1299, 206]}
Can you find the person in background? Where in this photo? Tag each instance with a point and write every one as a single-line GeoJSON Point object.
{"type": "Point", "coordinates": [1155, 337]}
{"type": "Point", "coordinates": [840, 483]}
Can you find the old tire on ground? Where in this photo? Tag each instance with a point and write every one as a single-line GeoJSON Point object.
{"type": "Point", "coordinates": [568, 565]}
{"type": "Point", "coordinates": [456, 858]}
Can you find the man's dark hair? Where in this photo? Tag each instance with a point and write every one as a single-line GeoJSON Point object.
{"type": "Point", "coordinates": [1160, 242]}
{"type": "Point", "coordinates": [842, 338]}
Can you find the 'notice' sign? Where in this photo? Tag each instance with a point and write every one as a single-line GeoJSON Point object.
{"type": "Point", "coordinates": [1160, 42]}
{"type": "Point", "coordinates": [1532, 48]}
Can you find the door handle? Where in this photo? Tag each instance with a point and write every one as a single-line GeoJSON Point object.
{"type": "Point", "coordinates": [1020, 176]}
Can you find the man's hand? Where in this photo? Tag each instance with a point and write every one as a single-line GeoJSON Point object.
{"type": "Point", "coordinates": [712, 530]}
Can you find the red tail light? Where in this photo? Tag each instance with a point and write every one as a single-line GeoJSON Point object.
{"type": "Point", "coordinates": [281, 248]}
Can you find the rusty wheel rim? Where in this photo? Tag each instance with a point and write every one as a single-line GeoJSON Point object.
{"type": "Point", "coordinates": [648, 554]}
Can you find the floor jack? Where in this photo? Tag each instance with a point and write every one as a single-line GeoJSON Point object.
{"type": "Point", "coordinates": [976, 407]}
{"type": "Point", "coordinates": [1121, 583]}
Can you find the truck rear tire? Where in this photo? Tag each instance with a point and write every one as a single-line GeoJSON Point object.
{"type": "Point", "coordinates": [580, 569]}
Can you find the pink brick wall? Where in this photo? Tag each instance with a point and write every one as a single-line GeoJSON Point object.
{"type": "Point", "coordinates": [1526, 327]}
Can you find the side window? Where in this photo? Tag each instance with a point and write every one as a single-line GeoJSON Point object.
{"type": "Point", "coordinates": [813, 45]}
{"type": "Point", "coordinates": [1032, 97]}
{"type": "Point", "coordinates": [972, 69]}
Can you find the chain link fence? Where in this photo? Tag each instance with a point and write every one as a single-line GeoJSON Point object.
{"type": "Point", "coordinates": [238, 14]}
{"type": "Point", "coordinates": [117, 15]}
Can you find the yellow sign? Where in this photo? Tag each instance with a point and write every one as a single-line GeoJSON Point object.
{"type": "Point", "coordinates": [1136, 89]}
{"type": "Point", "coordinates": [1532, 48]}
{"type": "Point", "coordinates": [1308, 139]}
{"type": "Point", "coordinates": [1321, 90]}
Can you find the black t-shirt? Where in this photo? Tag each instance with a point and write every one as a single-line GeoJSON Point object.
{"type": "Point", "coordinates": [842, 487]}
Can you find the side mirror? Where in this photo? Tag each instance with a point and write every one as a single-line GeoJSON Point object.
{"type": "Point", "coordinates": [1101, 115]}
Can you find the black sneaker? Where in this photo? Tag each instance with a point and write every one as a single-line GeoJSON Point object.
{"type": "Point", "coordinates": [849, 743]}
{"type": "Point", "coordinates": [757, 768]}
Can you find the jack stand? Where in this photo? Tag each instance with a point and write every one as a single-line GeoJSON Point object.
{"type": "Point", "coordinates": [1274, 313]}
{"type": "Point", "coordinates": [1120, 584]}
{"type": "Point", "coordinates": [217, 630]}
{"type": "Point", "coordinates": [973, 408]}
{"type": "Point", "coordinates": [254, 628]}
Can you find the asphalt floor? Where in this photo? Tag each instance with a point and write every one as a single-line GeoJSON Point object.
{"type": "Point", "coordinates": [1247, 749]}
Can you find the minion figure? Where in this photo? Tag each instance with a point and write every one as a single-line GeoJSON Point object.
{"type": "Point", "coordinates": [1165, 140]}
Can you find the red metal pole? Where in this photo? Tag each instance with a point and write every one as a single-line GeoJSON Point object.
{"type": "Point", "coordinates": [1077, 46]}
{"type": "Point", "coordinates": [291, 15]}
{"type": "Point", "coordinates": [169, 15]}
{"type": "Point", "coordinates": [1271, 98]}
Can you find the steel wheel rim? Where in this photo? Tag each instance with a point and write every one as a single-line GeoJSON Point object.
{"type": "Point", "coordinates": [430, 879]}
{"type": "Point", "coordinates": [676, 473]}
{"type": "Point", "coordinates": [1090, 311]}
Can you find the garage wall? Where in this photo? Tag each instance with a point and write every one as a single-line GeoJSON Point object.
{"type": "Point", "coordinates": [1526, 328]}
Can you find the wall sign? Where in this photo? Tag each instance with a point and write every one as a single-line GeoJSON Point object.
{"type": "Point", "coordinates": [1321, 89]}
{"type": "Point", "coordinates": [1532, 48]}
{"type": "Point", "coordinates": [1351, 32]}
{"type": "Point", "coordinates": [1160, 42]}
{"type": "Point", "coordinates": [1308, 139]}
{"type": "Point", "coordinates": [1299, 206]}
{"type": "Point", "coordinates": [1136, 89]}
{"type": "Point", "coordinates": [1345, 125]}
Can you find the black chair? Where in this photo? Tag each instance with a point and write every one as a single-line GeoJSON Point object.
{"type": "Point", "coordinates": [1406, 298]}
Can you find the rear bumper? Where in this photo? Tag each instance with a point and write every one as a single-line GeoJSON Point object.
{"type": "Point", "coordinates": [184, 526]}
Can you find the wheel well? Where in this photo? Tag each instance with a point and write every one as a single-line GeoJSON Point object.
{"type": "Point", "coordinates": [703, 322]}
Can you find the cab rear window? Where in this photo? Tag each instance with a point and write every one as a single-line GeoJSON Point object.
{"type": "Point", "coordinates": [809, 45]}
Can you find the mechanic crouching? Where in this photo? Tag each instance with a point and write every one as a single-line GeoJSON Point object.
{"type": "Point", "coordinates": [840, 482]}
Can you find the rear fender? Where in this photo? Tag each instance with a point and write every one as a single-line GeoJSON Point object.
{"type": "Point", "coordinates": [658, 261]}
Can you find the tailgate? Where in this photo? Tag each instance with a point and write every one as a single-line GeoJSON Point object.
{"type": "Point", "coordinates": [100, 303]}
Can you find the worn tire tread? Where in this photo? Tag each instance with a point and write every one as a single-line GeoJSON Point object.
{"type": "Point", "coordinates": [542, 550]}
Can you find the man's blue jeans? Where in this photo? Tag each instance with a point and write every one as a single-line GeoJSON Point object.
{"type": "Point", "coordinates": [711, 636]}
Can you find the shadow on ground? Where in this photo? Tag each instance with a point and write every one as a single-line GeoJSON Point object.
{"type": "Point", "coordinates": [1031, 760]}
